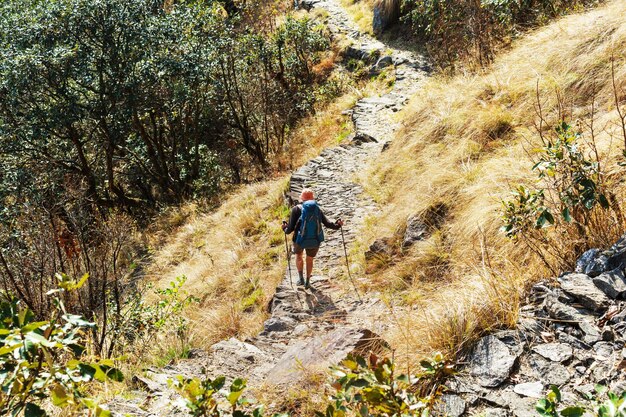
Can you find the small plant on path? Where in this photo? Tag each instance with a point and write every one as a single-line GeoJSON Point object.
{"type": "Point", "coordinates": [613, 406]}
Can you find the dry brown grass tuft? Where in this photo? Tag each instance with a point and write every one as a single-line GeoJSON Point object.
{"type": "Point", "coordinates": [301, 400]}
{"type": "Point", "coordinates": [466, 141]}
{"type": "Point", "coordinates": [361, 12]}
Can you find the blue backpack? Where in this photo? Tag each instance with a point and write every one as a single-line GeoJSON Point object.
{"type": "Point", "coordinates": [310, 234]}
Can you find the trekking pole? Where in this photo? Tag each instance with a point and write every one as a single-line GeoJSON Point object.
{"type": "Point", "coordinates": [345, 251]}
{"type": "Point", "coordinates": [288, 260]}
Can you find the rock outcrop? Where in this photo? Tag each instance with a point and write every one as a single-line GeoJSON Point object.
{"type": "Point", "coordinates": [571, 334]}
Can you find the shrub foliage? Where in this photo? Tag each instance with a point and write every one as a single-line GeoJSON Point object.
{"type": "Point", "coordinates": [473, 29]}
{"type": "Point", "coordinates": [110, 109]}
{"type": "Point", "coordinates": [44, 360]}
{"type": "Point", "coordinates": [573, 196]}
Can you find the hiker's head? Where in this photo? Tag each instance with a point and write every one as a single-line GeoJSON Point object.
{"type": "Point", "coordinates": [307, 194]}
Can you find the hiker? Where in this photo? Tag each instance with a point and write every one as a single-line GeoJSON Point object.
{"type": "Point", "coordinates": [306, 220]}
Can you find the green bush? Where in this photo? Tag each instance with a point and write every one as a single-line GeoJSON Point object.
{"type": "Point", "coordinates": [43, 360]}
{"type": "Point", "coordinates": [573, 197]}
{"type": "Point", "coordinates": [374, 389]}
{"type": "Point", "coordinates": [474, 29]}
{"type": "Point", "coordinates": [203, 398]}
{"type": "Point", "coordinates": [612, 406]}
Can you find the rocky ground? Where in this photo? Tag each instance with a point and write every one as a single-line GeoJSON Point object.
{"type": "Point", "coordinates": [309, 330]}
{"type": "Point", "coordinates": [570, 334]}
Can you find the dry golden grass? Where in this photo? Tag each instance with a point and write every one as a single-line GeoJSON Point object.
{"type": "Point", "coordinates": [361, 12]}
{"type": "Point", "coordinates": [466, 141]}
{"type": "Point", "coordinates": [298, 400]}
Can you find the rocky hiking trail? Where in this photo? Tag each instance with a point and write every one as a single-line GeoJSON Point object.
{"type": "Point", "coordinates": [308, 330]}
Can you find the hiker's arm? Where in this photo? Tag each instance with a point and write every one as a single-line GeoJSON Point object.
{"type": "Point", "coordinates": [293, 219]}
{"type": "Point", "coordinates": [327, 223]}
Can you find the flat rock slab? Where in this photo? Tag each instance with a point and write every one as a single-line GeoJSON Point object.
{"type": "Point", "coordinates": [547, 372]}
{"type": "Point", "coordinates": [320, 353]}
{"type": "Point", "coordinates": [492, 361]}
{"type": "Point", "coordinates": [556, 352]}
{"type": "Point", "coordinates": [612, 283]}
{"type": "Point", "coordinates": [529, 389]}
{"type": "Point", "coordinates": [452, 405]}
{"type": "Point", "coordinates": [582, 288]}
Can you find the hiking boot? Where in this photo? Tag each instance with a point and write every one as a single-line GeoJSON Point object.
{"type": "Point", "coordinates": [308, 284]}
{"type": "Point", "coordinates": [301, 281]}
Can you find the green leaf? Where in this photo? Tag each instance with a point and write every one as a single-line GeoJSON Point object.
{"type": "Point", "coordinates": [604, 203]}
{"type": "Point", "coordinates": [33, 326]}
{"type": "Point", "coordinates": [573, 412]}
{"type": "Point", "coordinates": [87, 371]}
{"type": "Point", "coordinates": [8, 349]}
{"type": "Point", "coordinates": [600, 389]}
{"type": "Point", "coordinates": [554, 394]}
{"type": "Point", "coordinates": [81, 282]}
{"type": "Point", "coordinates": [219, 382]}
{"type": "Point", "coordinates": [59, 395]}
{"type": "Point", "coordinates": [233, 396]}
{"type": "Point", "coordinates": [114, 374]}
{"type": "Point", "coordinates": [77, 320]}
{"type": "Point", "coordinates": [101, 412]}
{"type": "Point", "coordinates": [566, 215]}
{"type": "Point", "coordinates": [38, 339]}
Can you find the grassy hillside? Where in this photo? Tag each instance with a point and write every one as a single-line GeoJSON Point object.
{"type": "Point", "coordinates": [466, 142]}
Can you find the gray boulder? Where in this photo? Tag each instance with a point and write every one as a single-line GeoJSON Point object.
{"type": "Point", "coordinates": [612, 283]}
{"type": "Point", "coordinates": [384, 62]}
{"type": "Point", "coordinates": [416, 230]}
{"type": "Point", "coordinates": [361, 138]}
{"type": "Point", "coordinates": [556, 352]}
{"type": "Point", "coordinates": [380, 248]}
{"type": "Point", "coordinates": [582, 288]}
{"type": "Point", "coordinates": [617, 254]}
{"type": "Point", "coordinates": [547, 372]}
{"type": "Point", "coordinates": [279, 324]}
{"type": "Point", "coordinates": [593, 262]}
{"type": "Point", "coordinates": [386, 13]}
{"type": "Point", "coordinates": [492, 361]}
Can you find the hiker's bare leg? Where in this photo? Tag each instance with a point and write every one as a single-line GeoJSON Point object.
{"type": "Point", "coordinates": [309, 266]}
{"type": "Point", "coordinates": [299, 262]}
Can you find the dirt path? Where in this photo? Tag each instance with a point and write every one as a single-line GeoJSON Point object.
{"type": "Point", "coordinates": [316, 328]}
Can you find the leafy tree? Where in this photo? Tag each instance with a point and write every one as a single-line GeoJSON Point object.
{"type": "Point", "coordinates": [110, 109]}
{"type": "Point", "coordinates": [114, 96]}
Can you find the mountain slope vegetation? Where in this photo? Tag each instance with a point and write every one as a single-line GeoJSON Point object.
{"type": "Point", "coordinates": [467, 142]}
{"type": "Point", "coordinates": [213, 104]}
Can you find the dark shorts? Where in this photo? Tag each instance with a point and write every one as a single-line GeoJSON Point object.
{"type": "Point", "coordinates": [297, 249]}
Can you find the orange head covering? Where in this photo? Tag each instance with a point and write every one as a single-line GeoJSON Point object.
{"type": "Point", "coordinates": [307, 194]}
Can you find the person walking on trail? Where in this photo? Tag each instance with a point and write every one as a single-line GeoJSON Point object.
{"type": "Point", "coordinates": [306, 220]}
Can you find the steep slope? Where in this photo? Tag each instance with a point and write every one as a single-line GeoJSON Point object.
{"type": "Point", "coordinates": [466, 142]}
